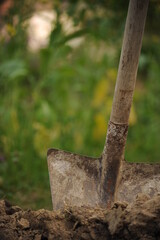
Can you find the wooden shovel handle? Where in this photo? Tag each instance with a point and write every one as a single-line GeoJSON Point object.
{"type": "Point", "coordinates": [113, 152]}
{"type": "Point", "coordinates": [129, 59]}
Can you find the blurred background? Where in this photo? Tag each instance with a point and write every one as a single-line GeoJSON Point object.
{"type": "Point", "coordinates": [58, 67]}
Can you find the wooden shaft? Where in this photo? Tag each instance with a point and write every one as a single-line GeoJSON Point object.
{"type": "Point", "coordinates": [128, 65]}
{"type": "Point", "coordinates": [113, 152]}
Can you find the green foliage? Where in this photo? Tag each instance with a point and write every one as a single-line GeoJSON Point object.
{"type": "Point", "coordinates": [61, 97]}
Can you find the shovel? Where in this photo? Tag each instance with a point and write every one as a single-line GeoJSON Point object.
{"type": "Point", "coordinates": [79, 180]}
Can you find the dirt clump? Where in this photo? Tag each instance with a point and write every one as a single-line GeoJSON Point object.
{"type": "Point", "coordinates": [139, 220]}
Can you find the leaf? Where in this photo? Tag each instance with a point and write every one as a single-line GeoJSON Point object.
{"type": "Point", "coordinates": [13, 69]}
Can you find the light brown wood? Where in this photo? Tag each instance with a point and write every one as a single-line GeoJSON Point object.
{"type": "Point", "coordinates": [128, 65]}
{"type": "Point", "coordinates": [114, 148]}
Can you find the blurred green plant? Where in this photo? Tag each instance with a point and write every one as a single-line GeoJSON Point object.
{"type": "Point", "coordinates": [61, 96]}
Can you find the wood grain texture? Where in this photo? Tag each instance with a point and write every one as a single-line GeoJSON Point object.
{"type": "Point", "coordinates": [129, 59]}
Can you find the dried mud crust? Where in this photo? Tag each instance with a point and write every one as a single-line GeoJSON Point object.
{"type": "Point", "coordinates": [139, 220]}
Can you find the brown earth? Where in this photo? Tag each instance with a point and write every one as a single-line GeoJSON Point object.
{"type": "Point", "coordinates": [139, 220]}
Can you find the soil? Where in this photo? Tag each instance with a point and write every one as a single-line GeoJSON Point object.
{"type": "Point", "coordinates": [138, 220]}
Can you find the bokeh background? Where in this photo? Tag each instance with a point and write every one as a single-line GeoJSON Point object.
{"type": "Point", "coordinates": [58, 67]}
